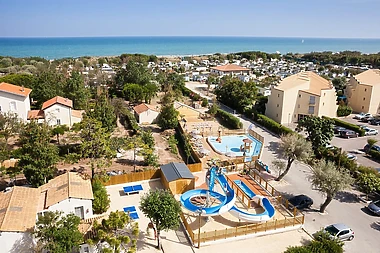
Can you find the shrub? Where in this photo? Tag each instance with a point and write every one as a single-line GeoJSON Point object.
{"type": "Point", "coordinates": [347, 125]}
{"type": "Point", "coordinates": [271, 125]}
{"type": "Point", "coordinates": [101, 201]}
{"type": "Point", "coordinates": [374, 154]}
{"type": "Point", "coordinates": [129, 121]}
{"type": "Point", "coordinates": [229, 120]}
{"type": "Point", "coordinates": [173, 144]}
{"type": "Point", "coordinates": [343, 110]}
{"type": "Point", "coordinates": [368, 182]}
{"type": "Point", "coordinates": [204, 102]}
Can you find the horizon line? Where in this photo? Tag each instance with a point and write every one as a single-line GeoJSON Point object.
{"type": "Point", "coordinates": [183, 36]}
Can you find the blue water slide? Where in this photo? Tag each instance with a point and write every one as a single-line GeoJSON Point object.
{"type": "Point", "coordinates": [211, 181]}
{"type": "Point", "coordinates": [268, 213]}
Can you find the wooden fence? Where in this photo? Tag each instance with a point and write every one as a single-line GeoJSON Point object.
{"type": "Point", "coordinates": [195, 167]}
{"type": "Point", "coordinates": [134, 177]}
{"type": "Point", "coordinates": [245, 199]}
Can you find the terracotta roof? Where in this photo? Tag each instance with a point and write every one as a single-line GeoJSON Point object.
{"type": "Point", "coordinates": [36, 114]}
{"type": "Point", "coordinates": [77, 113]}
{"type": "Point", "coordinates": [14, 89]}
{"type": "Point", "coordinates": [229, 68]}
{"type": "Point", "coordinates": [57, 100]}
{"type": "Point", "coordinates": [307, 81]}
{"type": "Point", "coordinates": [69, 185]}
{"type": "Point", "coordinates": [142, 108]}
{"type": "Point", "coordinates": [18, 209]}
{"type": "Point", "coordinates": [369, 77]}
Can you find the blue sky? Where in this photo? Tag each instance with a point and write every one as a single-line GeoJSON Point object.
{"type": "Point", "coordinates": [267, 18]}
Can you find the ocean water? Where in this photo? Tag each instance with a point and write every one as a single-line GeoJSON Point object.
{"type": "Point", "coordinates": [54, 48]}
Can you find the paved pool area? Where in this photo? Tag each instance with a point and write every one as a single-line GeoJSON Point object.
{"type": "Point", "coordinates": [232, 143]}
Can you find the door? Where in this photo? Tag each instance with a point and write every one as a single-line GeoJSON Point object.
{"type": "Point", "coordinates": [79, 211]}
{"type": "Point", "coordinates": [343, 235]}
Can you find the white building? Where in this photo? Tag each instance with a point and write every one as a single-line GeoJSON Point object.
{"type": "Point", "coordinates": [15, 99]}
{"type": "Point", "coordinates": [21, 206]}
{"type": "Point", "coordinates": [145, 114]}
{"type": "Point", "coordinates": [57, 111]}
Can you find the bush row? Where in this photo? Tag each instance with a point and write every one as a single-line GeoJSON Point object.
{"type": "Point", "coordinates": [347, 125]}
{"type": "Point", "coordinates": [229, 120]}
{"type": "Point", "coordinates": [374, 154]}
{"type": "Point", "coordinates": [271, 125]}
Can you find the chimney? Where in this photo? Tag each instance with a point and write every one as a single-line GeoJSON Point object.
{"type": "Point", "coordinates": [22, 88]}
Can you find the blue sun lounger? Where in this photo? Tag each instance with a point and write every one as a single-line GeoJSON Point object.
{"type": "Point", "coordinates": [131, 210]}
{"type": "Point", "coordinates": [134, 215]}
{"type": "Point", "coordinates": [132, 189]}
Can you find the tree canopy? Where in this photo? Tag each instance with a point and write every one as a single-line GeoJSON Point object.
{"type": "Point", "coordinates": [168, 117]}
{"type": "Point", "coordinates": [58, 233]}
{"type": "Point", "coordinates": [101, 201]}
{"type": "Point", "coordinates": [103, 112]}
{"type": "Point", "coordinates": [162, 209]}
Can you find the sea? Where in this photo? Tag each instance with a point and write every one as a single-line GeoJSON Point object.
{"type": "Point", "coordinates": [61, 47]}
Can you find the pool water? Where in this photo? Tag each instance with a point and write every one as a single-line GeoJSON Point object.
{"type": "Point", "coordinates": [232, 143]}
{"type": "Point", "coordinates": [245, 188]}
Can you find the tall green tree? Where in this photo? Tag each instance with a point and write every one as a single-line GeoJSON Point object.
{"type": "Point", "coordinates": [101, 201]}
{"type": "Point", "coordinates": [58, 233]}
{"type": "Point", "coordinates": [116, 234]}
{"type": "Point", "coordinates": [328, 180]}
{"type": "Point", "coordinates": [162, 209]}
{"type": "Point", "coordinates": [10, 125]}
{"type": "Point", "coordinates": [103, 112]}
{"type": "Point", "coordinates": [320, 131]}
{"type": "Point", "coordinates": [76, 91]}
{"type": "Point", "coordinates": [26, 80]}
{"type": "Point", "coordinates": [48, 85]}
{"type": "Point", "coordinates": [95, 144]}
{"type": "Point", "coordinates": [168, 117]}
{"type": "Point", "coordinates": [134, 72]}
{"type": "Point", "coordinates": [368, 183]}
{"type": "Point", "coordinates": [59, 130]}
{"type": "Point", "coordinates": [38, 157]}
{"type": "Point", "coordinates": [293, 147]}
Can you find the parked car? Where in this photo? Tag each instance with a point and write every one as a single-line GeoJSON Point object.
{"type": "Point", "coordinates": [301, 201]}
{"type": "Point", "coordinates": [340, 231]}
{"type": "Point", "coordinates": [374, 147]}
{"type": "Point", "coordinates": [348, 134]}
{"type": "Point", "coordinates": [351, 156]}
{"type": "Point", "coordinates": [370, 131]}
{"type": "Point", "coordinates": [374, 207]}
{"type": "Point", "coordinates": [375, 121]}
{"type": "Point", "coordinates": [367, 118]}
{"type": "Point", "coordinates": [338, 129]}
{"type": "Point", "coordinates": [361, 115]}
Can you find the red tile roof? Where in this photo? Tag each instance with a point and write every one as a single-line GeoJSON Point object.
{"type": "Point", "coordinates": [57, 100]}
{"type": "Point", "coordinates": [142, 108]}
{"type": "Point", "coordinates": [229, 68]}
{"type": "Point", "coordinates": [14, 89]}
{"type": "Point", "coordinates": [36, 114]}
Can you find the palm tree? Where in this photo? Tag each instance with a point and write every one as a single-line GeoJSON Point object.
{"type": "Point", "coordinates": [371, 142]}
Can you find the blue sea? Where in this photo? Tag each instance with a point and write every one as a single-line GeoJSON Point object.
{"type": "Point", "coordinates": [54, 48]}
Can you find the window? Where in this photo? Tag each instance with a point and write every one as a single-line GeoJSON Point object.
{"type": "Point", "coordinates": [299, 95]}
{"type": "Point", "coordinates": [323, 103]}
{"type": "Point", "coordinates": [12, 106]}
{"type": "Point", "coordinates": [278, 95]}
{"type": "Point", "coordinates": [363, 107]}
{"type": "Point", "coordinates": [79, 212]}
{"type": "Point", "coordinates": [58, 121]}
{"type": "Point", "coordinates": [365, 89]}
{"type": "Point", "coordinates": [311, 110]}
{"type": "Point", "coordinates": [277, 115]}
{"type": "Point", "coordinates": [324, 93]}
{"type": "Point", "coordinates": [312, 100]}
{"type": "Point", "coordinates": [364, 99]}
{"type": "Point", "coordinates": [299, 106]}
{"type": "Point", "coordinates": [85, 249]}
{"type": "Point", "coordinates": [278, 105]}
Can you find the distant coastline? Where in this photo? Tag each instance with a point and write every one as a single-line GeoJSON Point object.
{"type": "Point", "coordinates": [175, 46]}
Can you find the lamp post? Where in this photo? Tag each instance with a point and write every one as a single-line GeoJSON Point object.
{"type": "Point", "coordinates": [199, 226]}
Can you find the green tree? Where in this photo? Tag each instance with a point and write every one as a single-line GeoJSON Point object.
{"type": "Point", "coordinates": [371, 142]}
{"type": "Point", "coordinates": [10, 125]}
{"type": "Point", "coordinates": [162, 209]}
{"type": "Point", "coordinates": [327, 179]}
{"type": "Point", "coordinates": [168, 117]}
{"type": "Point", "coordinates": [38, 157]}
{"type": "Point", "coordinates": [116, 234]}
{"type": "Point", "coordinates": [95, 144]}
{"type": "Point", "coordinates": [25, 80]}
{"type": "Point", "coordinates": [134, 72]}
{"type": "Point", "coordinates": [48, 85]}
{"type": "Point", "coordinates": [58, 233]}
{"type": "Point", "coordinates": [320, 131]}
{"type": "Point", "coordinates": [339, 83]}
{"type": "Point", "coordinates": [368, 183]}
{"type": "Point", "coordinates": [76, 91]}
{"type": "Point", "coordinates": [59, 130]}
{"type": "Point", "coordinates": [101, 201]}
{"type": "Point", "coordinates": [119, 106]}
{"type": "Point", "coordinates": [293, 147]}
{"type": "Point", "coordinates": [133, 92]}
{"type": "Point", "coordinates": [103, 112]}
{"type": "Point", "coordinates": [147, 138]}
{"type": "Point", "coordinates": [343, 110]}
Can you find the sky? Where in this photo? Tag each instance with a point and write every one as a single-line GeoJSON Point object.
{"type": "Point", "coordinates": [258, 18]}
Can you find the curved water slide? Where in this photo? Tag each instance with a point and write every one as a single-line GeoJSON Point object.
{"type": "Point", "coordinates": [227, 201]}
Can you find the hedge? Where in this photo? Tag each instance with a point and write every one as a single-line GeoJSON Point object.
{"type": "Point", "coordinates": [343, 110]}
{"type": "Point", "coordinates": [129, 121]}
{"type": "Point", "coordinates": [228, 120]}
{"type": "Point", "coordinates": [347, 125]}
{"type": "Point", "coordinates": [374, 154]}
{"type": "Point", "coordinates": [271, 125]}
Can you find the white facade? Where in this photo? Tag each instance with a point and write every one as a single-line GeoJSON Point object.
{"type": "Point", "coordinates": [147, 117]}
{"type": "Point", "coordinates": [58, 114]}
{"type": "Point", "coordinates": [16, 242]}
{"type": "Point", "coordinates": [69, 206]}
{"type": "Point", "coordinates": [15, 103]}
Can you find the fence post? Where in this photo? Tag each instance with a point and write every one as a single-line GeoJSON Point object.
{"type": "Point", "coordinates": [225, 234]}
{"type": "Point", "coordinates": [275, 224]}
{"type": "Point", "coordinates": [215, 235]}
{"type": "Point", "coordinates": [236, 231]}
{"type": "Point", "coordinates": [246, 229]}
{"type": "Point", "coordinates": [285, 222]}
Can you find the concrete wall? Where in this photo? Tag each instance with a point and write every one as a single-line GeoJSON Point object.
{"type": "Point", "coordinates": [148, 116]}
{"type": "Point", "coordinates": [22, 104]}
{"type": "Point", "coordinates": [276, 98]}
{"type": "Point", "coordinates": [68, 206]}
{"type": "Point", "coordinates": [328, 103]}
{"type": "Point", "coordinates": [359, 96]}
{"type": "Point", "coordinates": [58, 111]}
{"type": "Point", "coordinates": [75, 120]}
{"type": "Point", "coordinates": [14, 242]}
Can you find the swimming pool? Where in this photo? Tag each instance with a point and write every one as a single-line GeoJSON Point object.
{"type": "Point", "coordinates": [245, 188]}
{"type": "Point", "coordinates": [232, 143]}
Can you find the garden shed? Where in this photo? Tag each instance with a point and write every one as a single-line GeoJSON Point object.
{"type": "Point", "coordinates": [177, 177]}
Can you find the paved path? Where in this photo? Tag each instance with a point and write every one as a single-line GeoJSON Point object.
{"type": "Point", "coordinates": [345, 208]}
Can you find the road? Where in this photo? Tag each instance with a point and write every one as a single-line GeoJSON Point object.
{"type": "Point", "coordinates": [345, 208]}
